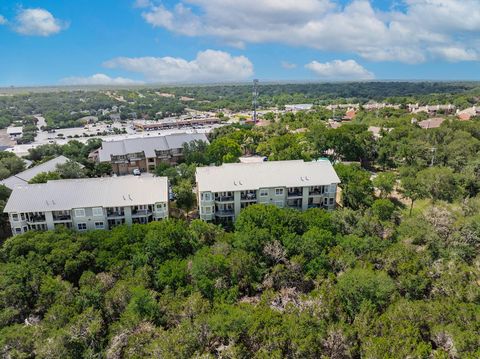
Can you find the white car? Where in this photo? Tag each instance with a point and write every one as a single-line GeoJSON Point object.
{"type": "Point", "coordinates": [136, 172]}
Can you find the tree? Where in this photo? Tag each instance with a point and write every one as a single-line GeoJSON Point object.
{"type": "Point", "coordinates": [70, 169]}
{"type": "Point", "coordinates": [357, 189]}
{"type": "Point", "coordinates": [195, 152]}
{"type": "Point", "coordinates": [184, 196]}
{"type": "Point", "coordinates": [439, 183]}
{"type": "Point", "coordinates": [223, 150]}
{"type": "Point", "coordinates": [358, 286]}
{"type": "Point", "coordinates": [44, 177]}
{"type": "Point", "coordinates": [385, 183]}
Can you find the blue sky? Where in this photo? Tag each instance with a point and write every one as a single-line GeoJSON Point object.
{"type": "Point", "coordinates": [51, 42]}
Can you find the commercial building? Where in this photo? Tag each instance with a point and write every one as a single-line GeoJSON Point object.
{"type": "Point", "coordinates": [144, 153]}
{"type": "Point", "coordinates": [225, 190]}
{"type": "Point", "coordinates": [88, 204]}
{"type": "Point", "coordinates": [172, 123]}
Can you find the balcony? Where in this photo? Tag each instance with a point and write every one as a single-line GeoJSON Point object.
{"type": "Point", "coordinates": [249, 196]}
{"type": "Point", "coordinates": [225, 213]}
{"type": "Point", "coordinates": [295, 192]}
{"type": "Point", "coordinates": [141, 213]}
{"type": "Point", "coordinates": [62, 218]}
{"type": "Point", "coordinates": [224, 198]}
{"type": "Point", "coordinates": [36, 219]}
{"type": "Point", "coordinates": [316, 191]}
{"type": "Point", "coordinates": [115, 214]}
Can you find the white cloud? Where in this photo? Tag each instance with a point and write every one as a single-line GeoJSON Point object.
{"type": "Point", "coordinates": [99, 79]}
{"type": "Point", "coordinates": [208, 66]}
{"type": "Point", "coordinates": [288, 65]}
{"type": "Point", "coordinates": [142, 4]}
{"type": "Point", "coordinates": [340, 70]}
{"type": "Point", "coordinates": [424, 29]}
{"type": "Point", "coordinates": [38, 22]}
{"type": "Point", "coordinates": [3, 20]}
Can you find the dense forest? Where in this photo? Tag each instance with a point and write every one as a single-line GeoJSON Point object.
{"type": "Point", "coordinates": [282, 284]}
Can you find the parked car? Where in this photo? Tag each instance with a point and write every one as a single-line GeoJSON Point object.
{"type": "Point", "coordinates": [136, 172]}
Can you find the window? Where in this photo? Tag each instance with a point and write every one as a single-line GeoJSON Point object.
{"type": "Point", "coordinates": [333, 188]}
{"type": "Point", "coordinates": [18, 230]}
{"type": "Point", "coordinates": [22, 215]}
{"type": "Point", "coordinates": [15, 217]}
{"type": "Point", "coordinates": [206, 196]}
{"type": "Point", "coordinates": [331, 201]}
{"type": "Point", "coordinates": [82, 226]}
{"type": "Point", "coordinates": [264, 193]}
{"type": "Point", "coordinates": [99, 225]}
{"type": "Point", "coordinates": [80, 212]}
{"type": "Point", "coordinates": [278, 191]}
{"type": "Point", "coordinates": [279, 204]}
{"type": "Point", "coordinates": [325, 201]}
{"type": "Point", "coordinates": [161, 206]}
{"type": "Point", "coordinates": [97, 212]}
{"type": "Point", "coordinates": [207, 210]}
{"type": "Point", "coordinates": [25, 229]}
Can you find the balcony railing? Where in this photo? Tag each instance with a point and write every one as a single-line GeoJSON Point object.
{"type": "Point", "coordinates": [248, 197]}
{"type": "Point", "coordinates": [224, 198]}
{"type": "Point", "coordinates": [63, 217]}
{"type": "Point", "coordinates": [36, 219]}
{"type": "Point", "coordinates": [316, 192]}
{"type": "Point", "coordinates": [225, 213]}
{"type": "Point", "coordinates": [141, 212]}
{"type": "Point", "coordinates": [296, 193]}
{"type": "Point", "coordinates": [115, 213]}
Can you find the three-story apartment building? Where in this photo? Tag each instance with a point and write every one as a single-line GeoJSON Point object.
{"type": "Point", "coordinates": [87, 204]}
{"type": "Point", "coordinates": [144, 153]}
{"type": "Point", "coordinates": [225, 190]}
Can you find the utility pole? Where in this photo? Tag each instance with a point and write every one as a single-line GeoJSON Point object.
{"type": "Point", "coordinates": [255, 100]}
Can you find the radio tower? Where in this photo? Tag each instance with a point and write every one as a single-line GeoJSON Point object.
{"type": "Point", "coordinates": [255, 100]}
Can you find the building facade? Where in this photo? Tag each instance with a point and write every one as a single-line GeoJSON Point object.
{"type": "Point", "coordinates": [144, 153]}
{"type": "Point", "coordinates": [222, 192]}
{"type": "Point", "coordinates": [88, 204]}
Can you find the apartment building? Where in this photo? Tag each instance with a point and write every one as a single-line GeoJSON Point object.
{"type": "Point", "coordinates": [225, 190]}
{"type": "Point", "coordinates": [144, 153]}
{"type": "Point", "coordinates": [87, 204]}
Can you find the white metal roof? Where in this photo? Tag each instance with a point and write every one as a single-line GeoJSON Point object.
{"type": "Point", "coordinates": [251, 176]}
{"type": "Point", "coordinates": [25, 176]}
{"type": "Point", "coordinates": [92, 192]}
{"type": "Point", "coordinates": [14, 130]}
{"type": "Point", "coordinates": [148, 145]}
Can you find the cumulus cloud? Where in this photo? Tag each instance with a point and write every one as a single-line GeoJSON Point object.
{"type": "Point", "coordinates": [208, 66]}
{"type": "Point", "coordinates": [340, 70]}
{"type": "Point", "coordinates": [99, 79]}
{"type": "Point", "coordinates": [38, 22]}
{"type": "Point", "coordinates": [3, 20]}
{"type": "Point", "coordinates": [142, 3]}
{"type": "Point", "coordinates": [420, 30]}
{"type": "Point", "coordinates": [288, 65]}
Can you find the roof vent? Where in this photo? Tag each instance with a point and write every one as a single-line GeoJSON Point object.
{"type": "Point", "coordinates": [130, 198]}
{"type": "Point", "coordinates": [234, 183]}
{"type": "Point", "coordinates": [53, 202]}
{"type": "Point", "coordinates": [47, 203]}
{"type": "Point", "coordinates": [124, 198]}
{"type": "Point", "coordinates": [240, 182]}
{"type": "Point", "coordinates": [306, 178]}
{"type": "Point", "coordinates": [301, 179]}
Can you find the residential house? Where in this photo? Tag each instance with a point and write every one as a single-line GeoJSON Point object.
{"type": "Point", "coordinates": [222, 192]}
{"type": "Point", "coordinates": [87, 204]}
